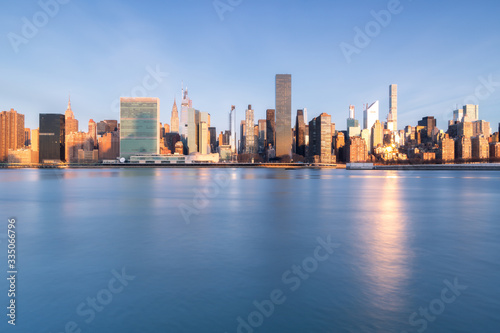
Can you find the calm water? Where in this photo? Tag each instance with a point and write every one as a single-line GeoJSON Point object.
{"type": "Point", "coordinates": [400, 236]}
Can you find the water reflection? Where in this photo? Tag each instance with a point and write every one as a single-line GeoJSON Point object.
{"type": "Point", "coordinates": [387, 256]}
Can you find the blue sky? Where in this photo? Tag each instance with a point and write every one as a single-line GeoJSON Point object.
{"type": "Point", "coordinates": [439, 53]}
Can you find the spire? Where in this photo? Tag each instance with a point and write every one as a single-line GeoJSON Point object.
{"type": "Point", "coordinates": [69, 102]}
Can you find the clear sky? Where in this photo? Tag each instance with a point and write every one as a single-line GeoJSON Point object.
{"type": "Point", "coordinates": [438, 52]}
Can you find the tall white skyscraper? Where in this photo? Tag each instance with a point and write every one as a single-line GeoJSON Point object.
{"type": "Point", "coordinates": [183, 124]}
{"type": "Point", "coordinates": [250, 144]}
{"type": "Point", "coordinates": [232, 128]}
{"type": "Point", "coordinates": [393, 106]}
{"type": "Point", "coordinates": [370, 115]}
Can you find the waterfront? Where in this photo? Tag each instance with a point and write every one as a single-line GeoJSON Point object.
{"type": "Point", "coordinates": [204, 244]}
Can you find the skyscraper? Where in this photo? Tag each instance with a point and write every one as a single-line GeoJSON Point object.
{"type": "Point", "coordinates": [93, 131]}
{"type": "Point", "coordinates": [11, 132]}
{"type": "Point", "coordinates": [270, 127]}
{"type": "Point", "coordinates": [52, 137]}
{"type": "Point", "coordinates": [353, 128]}
{"type": "Point", "coordinates": [174, 119]}
{"type": "Point", "coordinates": [283, 115]}
{"type": "Point", "coordinates": [370, 115]}
{"type": "Point", "coordinates": [320, 138]}
{"type": "Point", "coordinates": [70, 122]}
{"type": "Point", "coordinates": [300, 126]}
{"type": "Point", "coordinates": [34, 140]}
{"type": "Point", "coordinates": [192, 131]}
{"type": "Point", "coordinates": [74, 142]}
{"type": "Point", "coordinates": [250, 144]}
{"type": "Point", "coordinates": [262, 135]}
{"type": "Point", "coordinates": [393, 106]}
{"type": "Point", "coordinates": [109, 146]}
{"type": "Point", "coordinates": [139, 126]}
{"type": "Point", "coordinates": [232, 129]}
{"type": "Point", "coordinates": [471, 112]}
{"type": "Point", "coordinates": [183, 124]}
{"type": "Point", "coordinates": [377, 134]}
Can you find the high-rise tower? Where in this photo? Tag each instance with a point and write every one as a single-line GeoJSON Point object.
{"type": "Point", "coordinates": [174, 119]}
{"type": "Point", "coordinates": [393, 106]}
{"type": "Point", "coordinates": [283, 115]}
{"type": "Point", "coordinates": [70, 122]}
{"type": "Point", "coordinates": [250, 144]}
{"type": "Point", "coordinates": [370, 115]}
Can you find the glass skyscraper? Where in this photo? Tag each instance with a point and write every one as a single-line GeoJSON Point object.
{"type": "Point", "coordinates": [52, 137]}
{"type": "Point", "coordinates": [283, 114]}
{"type": "Point", "coordinates": [139, 126]}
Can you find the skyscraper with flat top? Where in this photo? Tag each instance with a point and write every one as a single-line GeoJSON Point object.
{"type": "Point", "coordinates": [139, 126]}
{"type": "Point", "coordinates": [283, 114]}
{"type": "Point", "coordinates": [300, 128]}
{"type": "Point", "coordinates": [393, 105]}
{"type": "Point", "coordinates": [52, 137]}
{"type": "Point", "coordinates": [250, 144]}
{"type": "Point", "coordinates": [271, 127]}
{"type": "Point", "coordinates": [11, 132]}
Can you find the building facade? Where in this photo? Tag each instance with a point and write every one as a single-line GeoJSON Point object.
{"type": "Point", "coordinates": [139, 126]}
{"type": "Point", "coordinates": [52, 137]}
{"type": "Point", "coordinates": [11, 133]}
{"type": "Point", "coordinates": [174, 119]}
{"type": "Point", "coordinates": [283, 115]}
{"type": "Point", "coordinates": [371, 115]}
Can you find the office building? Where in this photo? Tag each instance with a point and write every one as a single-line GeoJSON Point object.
{"type": "Point", "coordinates": [270, 127]}
{"type": "Point", "coordinates": [174, 119]}
{"type": "Point", "coordinates": [139, 126]}
{"type": "Point", "coordinates": [300, 126]}
{"type": "Point", "coordinates": [366, 135]}
{"type": "Point", "coordinates": [93, 131]}
{"type": "Point", "coordinates": [70, 122]}
{"type": "Point", "coordinates": [393, 107]}
{"type": "Point", "coordinates": [447, 149]}
{"type": "Point", "coordinates": [471, 112]}
{"type": "Point", "coordinates": [370, 115]}
{"type": "Point", "coordinates": [320, 139]}
{"type": "Point", "coordinates": [192, 131]}
{"type": "Point", "coordinates": [183, 123]}
{"type": "Point", "coordinates": [481, 127]}
{"type": "Point", "coordinates": [495, 150]}
{"type": "Point", "coordinates": [261, 135]}
{"type": "Point", "coordinates": [250, 142]}
{"type": "Point", "coordinates": [203, 137]}
{"type": "Point", "coordinates": [463, 148]}
{"type": "Point", "coordinates": [76, 141]}
{"type": "Point", "coordinates": [11, 132]}
{"type": "Point", "coordinates": [465, 129]}
{"type": "Point", "coordinates": [283, 115]}
{"type": "Point", "coordinates": [480, 147]}
{"type": "Point", "coordinates": [22, 156]}
{"type": "Point", "coordinates": [377, 138]}
{"type": "Point", "coordinates": [109, 146]}
{"type": "Point", "coordinates": [212, 132]}
{"type": "Point", "coordinates": [429, 124]}
{"type": "Point", "coordinates": [34, 140]}
{"type": "Point", "coordinates": [351, 121]}
{"type": "Point", "coordinates": [52, 137]}
{"type": "Point", "coordinates": [27, 137]}
{"type": "Point", "coordinates": [107, 126]}
{"type": "Point", "coordinates": [356, 150]}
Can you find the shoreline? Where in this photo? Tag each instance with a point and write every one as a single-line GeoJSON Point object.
{"type": "Point", "coordinates": [286, 166]}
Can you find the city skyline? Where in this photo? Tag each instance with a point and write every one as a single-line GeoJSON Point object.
{"type": "Point", "coordinates": [226, 74]}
